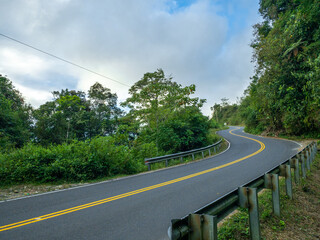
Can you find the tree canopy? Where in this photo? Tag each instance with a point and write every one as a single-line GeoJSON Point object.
{"type": "Point", "coordinates": [75, 115]}
{"type": "Point", "coordinates": [161, 106]}
{"type": "Point", "coordinates": [284, 95]}
{"type": "Point", "coordinates": [15, 118]}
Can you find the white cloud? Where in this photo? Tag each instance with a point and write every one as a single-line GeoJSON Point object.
{"type": "Point", "coordinates": [35, 96]}
{"type": "Point", "coordinates": [123, 40]}
{"type": "Point", "coordinates": [19, 63]}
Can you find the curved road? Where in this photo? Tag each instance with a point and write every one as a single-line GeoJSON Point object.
{"type": "Point", "coordinates": [142, 206]}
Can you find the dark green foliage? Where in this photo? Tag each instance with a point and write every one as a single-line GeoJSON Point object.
{"type": "Point", "coordinates": [226, 113]}
{"type": "Point", "coordinates": [166, 113]}
{"type": "Point", "coordinates": [284, 95]}
{"type": "Point", "coordinates": [79, 137]}
{"type": "Point", "coordinates": [72, 116]}
{"type": "Point", "coordinates": [76, 161]}
{"type": "Point", "coordinates": [15, 117]}
{"type": "Point", "coordinates": [186, 129]}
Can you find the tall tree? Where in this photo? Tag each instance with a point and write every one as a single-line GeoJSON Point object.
{"type": "Point", "coordinates": [15, 116]}
{"type": "Point", "coordinates": [283, 92]}
{"type": "Point", "coordinates": [72, 116]}
{"type": "Point", "coordinates": [104, 109]}
{"type": "Point", "coordinates": [154, 98]}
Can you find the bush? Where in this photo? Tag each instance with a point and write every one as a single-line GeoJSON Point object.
{"type": "Point", "coordinates": [77, 161]}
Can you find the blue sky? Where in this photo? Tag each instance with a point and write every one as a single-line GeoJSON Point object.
{"type": "Point", "coordinates": [238, 12]}
{"type": "Point", "coordinates": [196, 41]}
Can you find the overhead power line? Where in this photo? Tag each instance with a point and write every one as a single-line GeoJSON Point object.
{"type": "Point", "coordinates": [64, 60]}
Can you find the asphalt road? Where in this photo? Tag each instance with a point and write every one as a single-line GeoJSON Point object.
{"type": "Point", "coordinates": [142, 206]}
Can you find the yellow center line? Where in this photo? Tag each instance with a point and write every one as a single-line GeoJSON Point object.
{"type": "Point", "coordinates": [124, 195]}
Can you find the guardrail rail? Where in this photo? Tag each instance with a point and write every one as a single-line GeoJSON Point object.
{"type": "Point", "coordinates": [202, 224]}
{"type": "Point", "coordinates": [215, 147]}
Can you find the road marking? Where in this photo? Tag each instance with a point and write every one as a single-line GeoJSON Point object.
{"type": "Point", "coordinates": [124, 195]}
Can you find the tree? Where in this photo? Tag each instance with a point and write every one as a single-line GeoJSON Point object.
{"type": "Point", "coordinates": [15, 116]}
{"type": "Point", "coordinates": [154, 98]}
{"type": "Point", "coordinates": [286, 49]}
{"type": "Point", "coordinates": [184, 130]}
{"type": "Point", "coordinates": [70, 115]}
{"type": "Point", "coordinates": [105, 113]}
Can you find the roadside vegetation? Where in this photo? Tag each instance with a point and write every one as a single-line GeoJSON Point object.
{"type": "Point", "coordinates": [284, 94]}
{"type": "Point", "coordinates": [80, 136]}
{"type": "Point", "coordinates": [283, 99]}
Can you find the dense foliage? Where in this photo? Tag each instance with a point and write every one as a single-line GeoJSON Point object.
{"type": "Point", "coordinates": [73, 115]}
{"type": "Point", "coordinates": [284, 95]}
{"type": "Point", "coordinates": [75, 161]}
{"type": "Point", "coordinates": [166, 113]}
{"type": "Point", "coordinates": [15, 117]}
{"type": "Point", "coordinates": [226, 113]}
{"type": "Point", "coordinates": [78, 136]}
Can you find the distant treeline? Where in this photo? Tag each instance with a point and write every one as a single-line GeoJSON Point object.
{"type": "Point", "coordinates": [80, 136]}
{"type": "Point", "coordinates": [284, 95]}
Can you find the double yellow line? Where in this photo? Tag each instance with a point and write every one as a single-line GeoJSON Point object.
{"type": "Point", "coordinates": [124, 195]}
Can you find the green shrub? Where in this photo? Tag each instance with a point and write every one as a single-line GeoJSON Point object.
{"type": "Point", "coordinates": [77, 161]}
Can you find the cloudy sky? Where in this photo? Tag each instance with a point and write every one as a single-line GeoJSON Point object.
{"type": "Point", "coordinates": [205, 42]}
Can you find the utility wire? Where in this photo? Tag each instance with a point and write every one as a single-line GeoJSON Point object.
{"type": "Point", "coordinates": [61, 59]}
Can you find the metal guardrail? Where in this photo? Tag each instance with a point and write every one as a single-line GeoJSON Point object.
{"type": "Point", "coordinates": [215, 146]}
{"type": "Point", "coordinates": [202, 224]}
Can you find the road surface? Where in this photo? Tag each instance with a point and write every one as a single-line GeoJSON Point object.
{"type": "Point", "coordinates": [142, 206]}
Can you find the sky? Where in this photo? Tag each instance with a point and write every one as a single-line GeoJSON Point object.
{"type": "Point", "coordinates": [201, 42]}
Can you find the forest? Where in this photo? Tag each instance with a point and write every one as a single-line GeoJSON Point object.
{"type": "Point", "coordinates": [81, 136]}
{"type": "Point", "coordinates": [283, 97]}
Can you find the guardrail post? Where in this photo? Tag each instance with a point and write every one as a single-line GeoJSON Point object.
{"type": "Point", "coordinates": [248, 198]}
{"type": "Point", "coordinates": [294, 163]}
{"type": "Point", "coordinates": [303, 166]}
{"type": "Point", "coordinates": [214, 150]}
{"type": "Point", "coordinates": [181, 159]}
{"type": "Point", "coordinates": [202, 154]}
{"type": "Point", "coordinates": [149, 166]}
{"type": "Point", "coordinates": [311, 153]}
{"type": "Point", "coordinates": [307, 159]}
{"type": "Point", "coordinates": [271, 181]}
{"type": "Point", "coordinates": [166, 162]}
{"type": "Point", "coordinates": [285, 171]}
{"type": "Point", "coordinates": [202, 227]}
{"type": "Point", "coordinates": [192, 157]}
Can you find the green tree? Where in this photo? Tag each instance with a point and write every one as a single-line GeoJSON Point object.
{"type": "Point", "coordinates": [153, 99]}
{"type": "Point", "coordinates": [184, 130]}
{"type": "Point", "coordinates": [104, 111]}
{"type": "Point", "coordinates": [226, 113]}
{"type": "Point", "coordinates": [284, 90]}
{"type": "Point", "coordinates": [70, 115]}
{"type": "Point", "coordinates": [15, 116]}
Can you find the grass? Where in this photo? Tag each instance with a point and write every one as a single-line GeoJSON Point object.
{"type": "Point", "coordinates": [300, 217]}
